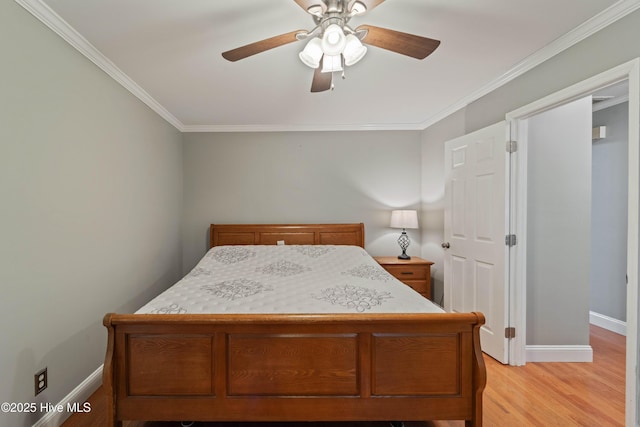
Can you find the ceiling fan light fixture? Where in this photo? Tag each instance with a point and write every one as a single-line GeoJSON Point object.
{"type": "Point", "coordinates": [333, 45]}
{"type": "Point", "coordinates": [312, 53]}
{"type": "Point", "coordinates": [331, 63]}
{"type": "Point", "coordinates": [354, 50]}
{"type": "Point", "coordinates": [333, 40]}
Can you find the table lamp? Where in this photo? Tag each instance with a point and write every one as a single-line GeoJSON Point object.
{"type": "Point", "coordinates": [404, 219]}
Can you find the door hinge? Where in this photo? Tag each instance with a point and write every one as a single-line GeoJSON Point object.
{"type": "Point", "coordinates": [510, 240]}
{"type": "Point", "coordinates": [512, 146]}
{"type": "Point", "coordinates": [510, 332]}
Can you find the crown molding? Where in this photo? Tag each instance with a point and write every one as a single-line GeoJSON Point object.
{"type": "Point", "coordinates": [303, 128]}
{"type": "Point", "coordinates": [605, 18]}
{"type": "Point", "coordinates": [59, 26]}
{"type": "Point", "coordinates": [52, 20]}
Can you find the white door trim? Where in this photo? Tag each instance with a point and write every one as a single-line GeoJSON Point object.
{"type": "Point", "coordinates": [628, 71]}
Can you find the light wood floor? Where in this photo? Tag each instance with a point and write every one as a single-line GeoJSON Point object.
{"type": "Point", "coordinates": [538, 394]}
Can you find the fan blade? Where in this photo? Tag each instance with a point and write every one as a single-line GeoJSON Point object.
{"type": "Point", "coordinates": [257, 47]}
{"type": "Point", "coordinates": [403, 43]}
{"type": "Point", "coordinates": [307, 4]}
{"type": "Point", "coordinates": [321, 81]}
{"type": "Point", "coordinates": [370, 4]}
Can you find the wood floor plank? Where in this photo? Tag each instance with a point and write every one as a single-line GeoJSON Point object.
{"type": "Point", "coordinates": [537, 394]}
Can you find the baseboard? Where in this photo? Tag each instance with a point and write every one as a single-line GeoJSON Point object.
{"type": "Point", "coordinates": [609, 323]}
{"type": "Point", "coordinates": [78, 395]}
{"type": "Point", "coordinates": [559, 353]}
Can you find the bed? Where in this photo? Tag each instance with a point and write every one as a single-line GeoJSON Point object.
{"type": "Point", "coordinates": [348, 359]}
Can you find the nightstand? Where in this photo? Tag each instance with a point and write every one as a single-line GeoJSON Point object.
{"type": "Point", "coordinates": [415, 272]}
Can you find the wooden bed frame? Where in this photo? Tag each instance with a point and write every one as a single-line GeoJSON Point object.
{"type": "Point", "coordinates": [294, 367]}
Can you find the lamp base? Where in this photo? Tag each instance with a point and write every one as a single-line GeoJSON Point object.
{"type": "Point", "coordinates": [403, 242]}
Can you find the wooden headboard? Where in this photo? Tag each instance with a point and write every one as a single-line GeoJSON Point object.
{"type": "Point", "coordinates": [291, 234]}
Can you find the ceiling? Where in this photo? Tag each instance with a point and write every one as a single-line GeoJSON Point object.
{"type": "Point", "coordinates": [168, 52]}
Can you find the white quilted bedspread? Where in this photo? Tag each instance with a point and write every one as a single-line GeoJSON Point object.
{"type": "Point", "coordinates": [289, 279]}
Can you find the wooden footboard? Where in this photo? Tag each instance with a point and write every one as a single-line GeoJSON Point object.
{"type": "Point", "coordinates": [337, 367]}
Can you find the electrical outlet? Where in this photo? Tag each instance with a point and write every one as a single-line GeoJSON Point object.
{"type": "Point", "coordinates": [40, 381]}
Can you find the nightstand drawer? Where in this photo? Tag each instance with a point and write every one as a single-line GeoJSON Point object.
{"type": "Point", "coordinates": [407, 272]}
{"type": "Point", "coordinates": [414, 272]}
{"type": "Point", "coordinates": [420, 286]}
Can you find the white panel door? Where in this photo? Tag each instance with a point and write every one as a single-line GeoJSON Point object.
{"type": "Point", "coordinates": [475, 226]}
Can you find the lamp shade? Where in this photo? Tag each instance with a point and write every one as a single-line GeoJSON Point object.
{"type": "Point", "coordinates": [404, 219]}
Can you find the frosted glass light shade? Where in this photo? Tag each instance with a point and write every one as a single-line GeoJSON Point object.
{"type": "Point", "coordinates": [404, 219]}
{"type": "Point", "coordinates": [331, 63]}
{"type": "Point", "coordinates": [312, 53]}
{"type": "Point", "coordinates": [333, 40]}
{"type": "Point", "coordinates": [354, 51]}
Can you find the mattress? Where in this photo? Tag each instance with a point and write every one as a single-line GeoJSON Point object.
{"type": "Point", "coordinates": [289, 279]}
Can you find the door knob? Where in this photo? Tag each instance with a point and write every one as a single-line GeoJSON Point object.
{"type": "Point", "coordinates": [446, 245]}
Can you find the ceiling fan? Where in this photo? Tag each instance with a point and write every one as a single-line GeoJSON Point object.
{"type": "Point", "coordinates": [333, 44]}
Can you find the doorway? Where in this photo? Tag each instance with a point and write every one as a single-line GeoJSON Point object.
{"type": "Point", "coordinates": [518, 262]}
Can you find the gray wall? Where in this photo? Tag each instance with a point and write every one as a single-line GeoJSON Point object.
{"type": "Point", "coordinates": [432, 200]}
{"type": "Point", "coordinates": [295, 177]}
{"type": "Point", "coordinates": [559, 224]}
{"type": "Point", "coordinates": [609, 213]}
{"type": "Point", "coordinates": [91, 195]}
{"type": "Point", "coordinates": [609, 47]}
